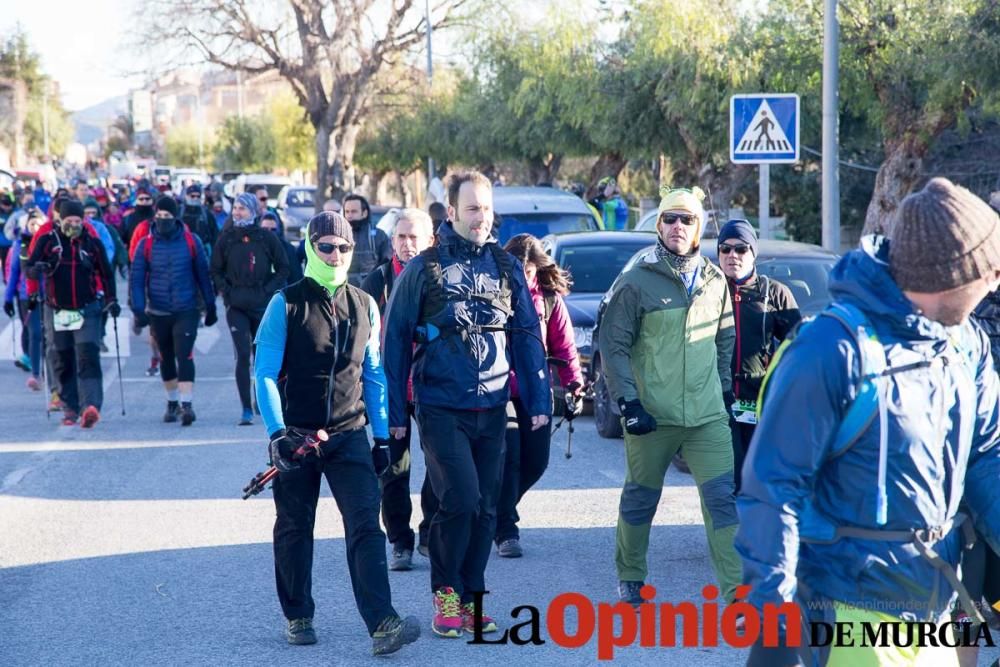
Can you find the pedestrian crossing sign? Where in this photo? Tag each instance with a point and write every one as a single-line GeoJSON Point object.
{"type": "Point", "coordinates": [764, 128]}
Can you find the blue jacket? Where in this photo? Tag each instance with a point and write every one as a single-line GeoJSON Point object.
{"type": "Point", "coordinates": [470, 372]}
{"type": "Point", "coordinates": [17, 287]}
{"type": "Point", "coordinates": [170, 281]}
{"type": "Point", "coordinates": [942, 442]}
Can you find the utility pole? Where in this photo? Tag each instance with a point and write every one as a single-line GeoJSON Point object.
{"type": "Point", "coordinates": [831, 121]}
{"type": "Point", "coordinates": [430, 76]}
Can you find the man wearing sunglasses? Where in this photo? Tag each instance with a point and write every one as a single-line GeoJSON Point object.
{"type": "Point", "coordinates": [764, 312]}
{"type": "Point", "coordinates": [321, 337]}
{"type": "Point", "coordinates": [667, 337]}
{"type": "Point", "coordinates": [143, 212]}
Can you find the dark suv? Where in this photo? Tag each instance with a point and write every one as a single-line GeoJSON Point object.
{"type": "Point", "coordinates": [804, 268]}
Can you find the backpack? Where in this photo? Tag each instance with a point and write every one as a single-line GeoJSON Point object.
{"type": "Point", "coordinates": [147, 251]}
{"type": "Point", "coordinates": [436, 299]}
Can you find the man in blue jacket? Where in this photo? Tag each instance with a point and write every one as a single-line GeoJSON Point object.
{"type": "Point", "coordinates": [318, 367]}
{"type": "Point", "coordinates": [169, 271]}
{"type": "Point", "coordinates": [851, 505]}
{"type": "Point", "coordinates": [466, 304]}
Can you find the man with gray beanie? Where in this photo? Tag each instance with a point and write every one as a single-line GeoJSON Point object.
{"type": "Point", "coordinates": [879, 418]}
{"type": "Point", "coordinates": [764, 311]}
{"type": "Point", "coordinates": [248, 266]}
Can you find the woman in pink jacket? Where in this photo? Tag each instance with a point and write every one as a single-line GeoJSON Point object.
{"type": "Point", "coordinates": [527, 450]}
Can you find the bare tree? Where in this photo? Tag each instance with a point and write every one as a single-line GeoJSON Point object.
{"type": "Point", "coordinates": [331, 52]}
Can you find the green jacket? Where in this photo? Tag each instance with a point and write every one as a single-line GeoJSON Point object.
{"type": "Point", "coordinates": [671, 351]}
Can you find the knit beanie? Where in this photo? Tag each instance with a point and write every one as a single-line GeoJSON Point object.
{"type": "Point", "coordinates": [249, 201]}
{"type": "Point", "coordinates": [943, 237]}
{"type": "Point", "coordinates": [166, 203]}
{"type": "Point", "coordinates": [329, 223]}
{"type": "Point", "coordinates": [740, 230]}
{"type": "Point", "coordinates": [685, 200]}
{"type": "Point", "coordinates": [70, 208]}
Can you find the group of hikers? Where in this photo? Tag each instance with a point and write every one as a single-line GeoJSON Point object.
{"type": "Point", "coordinates": [847, 462]}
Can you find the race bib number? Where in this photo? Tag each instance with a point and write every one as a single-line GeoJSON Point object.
{"type": "Point", "coordinates": [67, 320]}
{"type": "Point", "coordinates": [745, 412]}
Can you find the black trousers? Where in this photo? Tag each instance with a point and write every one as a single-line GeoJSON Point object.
{"type": "Point", "coordinates": [526, 460]}
{"type": "Point", "coordinates": [243, 328]}
{"type": "Point", "coordinates": [397, 508]}
{"type": "Point", "coordinates": [742, 435]}
{"type": "Point", "coordinates": [175, 335]}
{"type": "Point", "coordinates": [464, 450]}
{"type": "Point", "coordinates": [347, 466]}
{"type": "Point", "coordinates": [76, 359]}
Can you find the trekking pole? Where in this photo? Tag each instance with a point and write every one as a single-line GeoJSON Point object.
{"type": "Point", "coordinates": [311, 444]}
{"type": "Point", "coordinates": [45, 373]}
{"type": "Point", "coordinates": [118, 358]}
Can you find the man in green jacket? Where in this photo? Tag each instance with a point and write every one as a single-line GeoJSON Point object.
{"type": "Point", "coordinates": [667, 338]}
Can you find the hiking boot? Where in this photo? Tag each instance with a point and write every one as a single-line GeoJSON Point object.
{"type": "Point", "coordinates": [469, 620]}
{"type": "Point", "coordinates": [300, 631]}
{"type": "Point", "coordinates": [173, 410]}
{"type": "Point", "coordinates": [447, 613]}
{"type": "Point", "coordinates": [510, 548]}
{"type": "Point", "coordinates": [424, 550]}
{"type": "Point", "coordinates": [187, 414]}
{"type": "Point", "coordinates": [394, 633]}
{"type": "Point", "coordinates": [154, 368]}
{"type": "Point", "coordinates": [34, 384]}
{"type": "Point", "coordinates": [55, 403]}
{"type": "Point", "coordinates": [628, 592]}
{"type": "Point", "coordinates": [246, 419]}
{"type": "Point", "coordinates": [402, 560]}
{"type": "Point", "coordinates": [69, 417]}
{"type": "Point", "coordinates": [24, 363]}
{"type": "Point", "coordinates": [89, 417]}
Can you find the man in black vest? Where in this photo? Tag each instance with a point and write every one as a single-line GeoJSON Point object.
{"type": "Point", "coordinates": [320, 336]}
{"type": "Point", "coordinates": [412, 234]}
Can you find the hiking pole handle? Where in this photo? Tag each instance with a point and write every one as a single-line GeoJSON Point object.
{"type": "Point", "coordinates": [261, 480]}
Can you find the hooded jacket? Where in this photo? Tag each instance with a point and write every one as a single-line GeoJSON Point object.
{"type": "Point", "coordinates": [372, 248]}
{"type": "Point", "coordinates": [248, 267]}
{"type": "Point", "coordinates": [558, 337]}
{"type": "Point", "coordinates": [667, 349]}
{"type": "Point", "coordinates": [943, 424]}
{"type": "Point", "coordinates": [172, 278]}
{"type": "Point", "coordinates": [465, 369]}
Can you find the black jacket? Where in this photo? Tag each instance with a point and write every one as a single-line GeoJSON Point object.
{"type": "Point", "coordinates": [764, 310]}
{"type": "Point", "coordinates": [371, 248]}
{"type": "Point", "coordinates": [201, 223]}
{"type": "Point", "coordinates": [987, 314]}
{"type": "Point", "coordinates": [379, 284]}
{"type": "Point", "coordinates": [249, 265]}
{"type": "Point", "coordinates": [80, 270]}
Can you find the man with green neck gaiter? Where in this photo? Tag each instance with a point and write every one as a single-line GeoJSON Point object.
{"type": "Point", "coordinates": [321, 337]}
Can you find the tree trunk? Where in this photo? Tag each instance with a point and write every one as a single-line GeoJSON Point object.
{"type": "Point", "coordinates": [899, 174]}
{"type": "Point", "coordinates": [374, 183]}
{"type": "Point", "coordinates": [404, 191]}
{"type": "Point", "coordinates": [608, 164]}
{"type": "Point", "coordinates": [322, 167]}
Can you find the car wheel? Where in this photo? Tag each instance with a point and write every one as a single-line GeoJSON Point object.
{"type": "Point", "coordinates": [609, 424]}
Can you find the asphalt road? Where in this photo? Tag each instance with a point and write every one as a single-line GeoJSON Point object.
{"type": "Point", "coordinates": [129, 544]}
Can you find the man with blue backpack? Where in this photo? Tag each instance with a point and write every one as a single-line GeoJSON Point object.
{"type": "Point", "coordinates": [878, 418]}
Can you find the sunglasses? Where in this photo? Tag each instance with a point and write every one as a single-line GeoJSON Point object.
{"type": "Point", "coordinates": [671, 218]}
{"type": "Point", "coordinates": [328, 248]}
{"type": "Point", "coordinates": [740, 249]}
{"type": "Point", "coordinates": [143, 200]}
{"type": "Point", "coordinates": [261, 198]}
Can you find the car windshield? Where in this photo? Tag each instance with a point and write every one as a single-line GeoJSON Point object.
{"type": "Point", "coordinates": [542, 224]}
{"type": "Point", "coordinates": [807, 279]}
{"type": "Point", "coordinates": [595, 267]}
{"type": "Point", "coordinates": [273, 189]}
{"type": "Point", "coordinates": [299, 198]}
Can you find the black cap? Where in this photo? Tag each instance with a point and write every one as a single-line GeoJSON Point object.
{"type": "Point", "coordinates": [70, 208]}
{"type": "Point", "coordinates": [166, 203]}
{"type": "Point", "coordinates": [193, 189]}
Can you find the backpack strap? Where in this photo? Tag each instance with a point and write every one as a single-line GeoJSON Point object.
{"type": "Point", "coordinates": [505, 266]}
{"type": "Point", "coordinates": [434, 299]}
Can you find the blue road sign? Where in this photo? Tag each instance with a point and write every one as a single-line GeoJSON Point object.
{"type": "Point", "coordinates": [764, 128]}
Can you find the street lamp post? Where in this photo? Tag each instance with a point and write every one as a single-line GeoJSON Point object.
{"type": "Point", "coordinates": [831, 120]}
{"type": "Point", "coordinates": [430, 76]}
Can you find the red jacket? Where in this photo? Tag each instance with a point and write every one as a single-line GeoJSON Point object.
{"type": "Point", "coordinates": [31, 283]}
{"type": "Point", "coordinates": [557, 337]}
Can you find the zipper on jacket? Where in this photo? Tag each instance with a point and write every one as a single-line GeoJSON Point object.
{"type": "Point", "coordinates": [739, 348]}
{"type": "Point", "coordinates": [336, 354]}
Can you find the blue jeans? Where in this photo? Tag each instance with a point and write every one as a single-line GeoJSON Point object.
{"type": "Point", "coordinates": [31, 334]}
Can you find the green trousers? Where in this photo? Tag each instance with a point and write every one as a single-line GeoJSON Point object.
{"type": "Point", "coordinates": [708, 451]}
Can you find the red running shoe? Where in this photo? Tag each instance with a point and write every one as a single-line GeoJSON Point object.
{"type": "Point", "coordinates": [447, 613]}
{"type": "Point", "coordinates": [468, 620]}
{"type": "Point", "coordinates": [90, 417]}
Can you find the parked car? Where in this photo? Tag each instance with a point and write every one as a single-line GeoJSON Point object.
{"type": "Point", "coordinates": [297, 205]}
{"type": "Point", "coordinates": [243, 182]}
{"type": "Point", "coordinates": [594, 260]}
{"type": "Point", "coordinates": [802, 267]}
{"type": "Point", "coordinates": [539, 212]}
{"type": "Point", "coordinates": [181, 178]}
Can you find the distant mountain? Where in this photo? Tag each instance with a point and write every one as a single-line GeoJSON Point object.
{"type": "Point", "coordinates": [91, 122]}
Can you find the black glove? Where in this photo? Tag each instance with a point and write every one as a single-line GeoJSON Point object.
{"type": "Point", "coordinates": [33, 302]}
{"type": "Point", "coordinates": [139, 320]}
{"type": "Point", "coordinates": [8, 308]}
{"type": "Point", "coordinates": [211, 317]}
{"type": "Point", "coordinates": [113, 309]}
{"type": "Point", "coordinates": [282, 449]}
{"type": "Point", "coordinates": [573, 401]}
{"type": "Point", "coordinates": [729, 398]}
{"type": "Point", "coordinates": [637, 420]}
{"type": "Point", "coordinates": [380, 456]}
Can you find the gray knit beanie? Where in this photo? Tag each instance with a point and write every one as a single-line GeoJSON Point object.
{"type": "Point", "coordinates": [944, 237]}
{"type": "Point", "coordinates": [329, 223]}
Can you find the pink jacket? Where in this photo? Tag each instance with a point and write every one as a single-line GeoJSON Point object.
{"type": "Point", "coordinates": [557, 337]}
